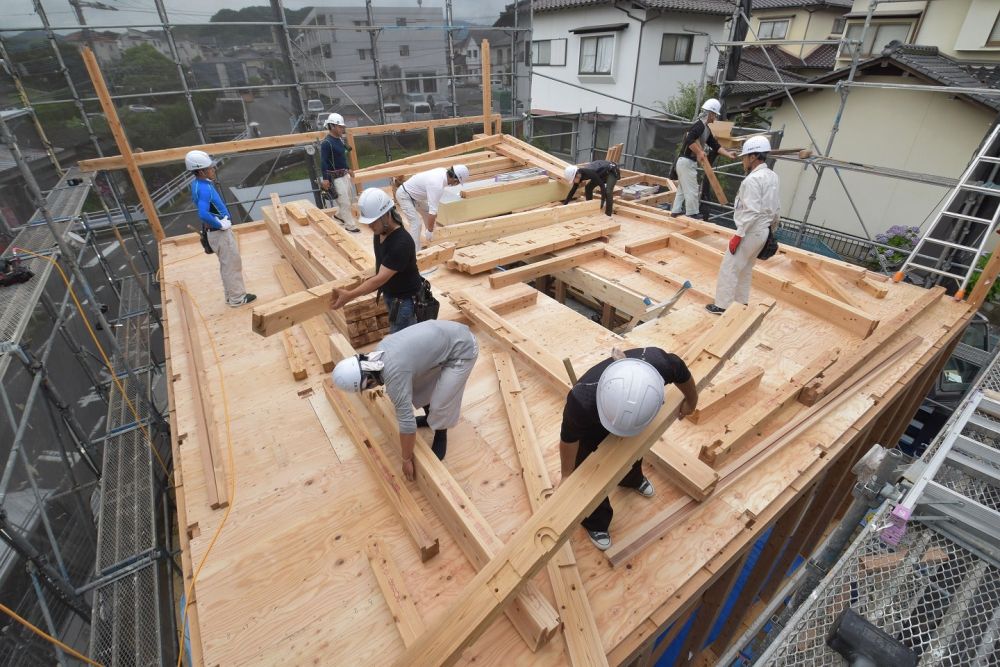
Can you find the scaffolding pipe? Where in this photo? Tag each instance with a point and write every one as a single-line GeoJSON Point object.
{"type": "Point", "coordinates": [47, 615]}
{"type": "Point", "coordinates": [373, 39]}
{"type": "Point", "coordinates": [451, 62]}
{"type": "Point", "coordinates": [168, 30]}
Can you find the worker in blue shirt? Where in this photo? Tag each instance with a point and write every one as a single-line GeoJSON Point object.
{"type": "Point", "coordinates": [215, 220]}
{"type": "Point", "coordinates": [336, 173]}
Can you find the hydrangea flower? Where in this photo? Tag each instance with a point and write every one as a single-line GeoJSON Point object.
{"type": "Point", "coordinates": [897, 236]}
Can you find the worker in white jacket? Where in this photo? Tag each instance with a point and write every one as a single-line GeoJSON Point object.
{"type": "Point", "coordinates": [420, 196]}
{"type": "Point", "coordinates": [758, 209]}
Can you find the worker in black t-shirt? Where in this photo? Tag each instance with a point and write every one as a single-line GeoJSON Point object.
{"type": "Point", "coordinates": [619, 397]}
{"type": "Point", "coordinates": [698, 136]}
{"type": "Point", "coordinates": [396, 275]}
{"type": "Point", "coordinates": [598, 174]}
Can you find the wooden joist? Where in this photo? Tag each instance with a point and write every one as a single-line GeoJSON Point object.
{"type": "Point", "coordinates": [713, 180]}
{"type": "Point", "coordinates": [727, 390]}
{"type": "Point", "coordinates": [315, 329]}
{"type": "Point", "coordinates": [826, 284]}
{"type": "Point", "coordinates": [536, 152]}
{"type": "Point", "coordinates": [504, 186]}
{"type": "Point", "coordinates": [382, 172]}
{"type": "Point", "coordinates": [530, 613]}
{"type": "Point", "coordinates": [207, 431]}
{"type": "Point", "coordinates": [490, 229]}
{"type": "Point", "coordinates": [656, 271]}
{"type": "Point", "coordinates": [523, 246]}
{"type": "Point", "coordinates": [295, 362]}
{"type": "Point", "coordinates": [583, 638]}
{"type": "Point", "coordinates": [541, 536]}
{"type": "Point", "coordinates": [513, 339]}
{"type": "Point", "coordinates": [399, 496]}
{"type": "Point", "coordinates": [344, 242]}
{"type": "Point", "coordinates": [397, 595]}
{"type": "Point", "coordinates": [528, 159]}
{"type": "Point", "coordinates": [546, 267]}
{"type": "Point", "coordinates": [448, 151]}
{"type": "Point", "coordinates": [321, 255]}
{"type": "Point", "coordinates": [609, 292]}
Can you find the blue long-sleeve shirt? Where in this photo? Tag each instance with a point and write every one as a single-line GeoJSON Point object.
{"type": "Point", "coordinates": [210, 205]}
{"type": "Point", "coordinates": [333, 154]}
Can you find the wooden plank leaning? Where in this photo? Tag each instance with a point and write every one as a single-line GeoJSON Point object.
{"type": "Point", "coordinates": [583, 638]}
{"type": "Point", "coordinates": [541, 536]}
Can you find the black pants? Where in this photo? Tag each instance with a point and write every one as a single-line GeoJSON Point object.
{"type": "Point", "coordinates": [600, 518]}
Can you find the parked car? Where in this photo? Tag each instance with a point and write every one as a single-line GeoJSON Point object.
{"type": "Point", "coordinates": [393, 112]}
{"type": "Point", "coordinates": [418, 111]}
{"type": "Point", "coordinates": [314, 106]}
{"type": "Point", "coordinates": [140, 108]}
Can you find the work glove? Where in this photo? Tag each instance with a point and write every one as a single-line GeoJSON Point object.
{"type": "Point", "coordinates": [225, 223]}
{"type": "Point", "coordinates": [734, 243]}
{"type": "Point", "coordinates": [430, 236]}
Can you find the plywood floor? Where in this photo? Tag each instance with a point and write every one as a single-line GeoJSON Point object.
{"type": "Point", "coordinates": [287, 580]}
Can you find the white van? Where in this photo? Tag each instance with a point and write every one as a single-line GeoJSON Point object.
{"type": "Point", "coordinates": [314, 106]}
{"type": "Point", "coordinates": [393, 112]}
{"type": "Point", "coordinates": [419, 111]}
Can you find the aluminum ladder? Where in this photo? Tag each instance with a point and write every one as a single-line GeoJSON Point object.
{"type": "Point", "coordinates": [951, 224]}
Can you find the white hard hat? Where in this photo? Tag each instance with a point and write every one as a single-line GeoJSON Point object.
{"type": "Point", "coordinates": [570, 173]}
{"type": "Point", "coordinates": [334, 119]}
{"type": "Point", "coordinates": [629, 395]}
{"type": "Point", "coordinates": [196, 160]}
{"type": "Point", "coordinates": [347, 374]}
{"type": "Point", "coordinates": [461, 172]}
{"type": "Point", "coordinates": [373, 204]}
{"type": "Point", "coordinates": [756, 145]}
{"type": "Point", "coordinates": [712, 104]}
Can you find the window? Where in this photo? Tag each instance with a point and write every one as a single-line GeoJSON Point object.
{"type": "Point", "coordinates": [368, 80]}
{"type": "Point", "coordinates": [676, 49]}
{"type": "Point", "coordinates": [549, 52]}
{"type": "Point", "coordinates": [773, 29]}
{"type": "Point", "coordinates": [361, 53]}
{"type": "Point", "coordinates": [878, 37]}
{"type": "Point", "coordinates": [838, 26]}
{"type": "Point", "coordinates": [596, 54]}
{"type": "Point", "coordinates": [321, 19]}
{"type": "Point", "coordinates": [401, 22]}
{"type": "Point", "coordinates": [554, 136]}
{"type": "Point", "coordinates": [327, 51]}
{"type": "Point", "coordinates": [994, 39]}
{"type": "Point", "coordinates": [404, 50]}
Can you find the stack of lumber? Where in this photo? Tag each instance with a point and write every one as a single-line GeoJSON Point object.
{"type": "Point", "coordinates": [367, 321]}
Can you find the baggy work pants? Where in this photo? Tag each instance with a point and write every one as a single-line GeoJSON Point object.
{"type": "Point", "coordinates": [736, 272]}
{"type": "Point", "coordinates": [223, 242]}
{"type": "Point", "coordinates": [415, 212]}
{"type": "Point", "coordinates": [345, 197]}
{"type": "Point", "coordinates": [686, 199]}
{"type": "Point", "coordinates": [442, 390]}
{"type": "Point", "coordinates": [600, 518]}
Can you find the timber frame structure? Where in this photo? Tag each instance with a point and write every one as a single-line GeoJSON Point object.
{"type": "Point", "coordinates": [313, 547]}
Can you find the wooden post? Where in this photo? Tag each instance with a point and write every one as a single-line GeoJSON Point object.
{"type": "Point", "coordinates": [484, 51]}
{"type": "Point", "coordinates": [986, 278]}
{"type": "Point", "coordinates": [431, 140]}
{"type": "Point", "coordinates": [352, 155]}
{"type": "Point", "coordinates": [123, 145]}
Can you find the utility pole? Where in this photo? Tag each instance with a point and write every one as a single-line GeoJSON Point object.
{"type": "Point", "coordinates": [738, 33]}
{"type": "Point", "coordinates": [451, 61]}
{"type": "Point", "coordinates": [373, 39]}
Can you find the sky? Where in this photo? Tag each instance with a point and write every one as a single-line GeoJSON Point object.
{"type": "Point", "coordinates": [20, 13]}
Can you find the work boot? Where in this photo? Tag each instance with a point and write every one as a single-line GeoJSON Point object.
{"type": "Point", "coordinates": [247, 298]}
{"type": "Point", "coordinates": [440, 445]}
{"type": "Point", "coordinates": [645, 488]}
{"type": "Point", "coordinates": [715, 310]}
{"type": "Point", "coordinates": [600, 538]}
{"type": "Point", "coordinates": [422, 419]}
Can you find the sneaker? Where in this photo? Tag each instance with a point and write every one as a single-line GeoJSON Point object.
{"type": "Point", "coordinates": [645, 488]}
{"type": "Point", "coordinates": [715, 310]}
{"type": "Point", "coordinates": [600, 538]}
{"type": "Point", "coordinates": [247, 298]}
{"type": "Point", "coordinates": [352, 228]}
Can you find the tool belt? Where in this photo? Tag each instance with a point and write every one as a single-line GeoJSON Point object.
{"type": "Point", "coordinates": [337, 173]}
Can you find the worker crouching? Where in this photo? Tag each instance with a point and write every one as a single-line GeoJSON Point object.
{"type": "Point", "coordinates": [619, 397]}
{"type": "Point", "coordinates": [420, 196]}
{"type": "Point", "coordinates": [601, 174]}
{"type": "Point", "coordinates": [427, 364]}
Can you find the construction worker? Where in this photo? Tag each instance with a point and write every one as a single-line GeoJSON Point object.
{"type": "Point", "coordinates": [757, 210]}
{"type": "Point", "coordinates": [598, 174]}
{"type": "Point", "coordinates": [336, 174]}
{"type": "Point", "coordinates": [686, 200]}
{"type": "Point", "coordinates": [396, 278]}
{"type": "Point", "coordinates": [427, 364]}
{"type": "Point", "coordinates": [620, 397]}
{"type": "Point", "coordinates": [420, 196]}
{"type": "Point", "coordinates": [217, 227]}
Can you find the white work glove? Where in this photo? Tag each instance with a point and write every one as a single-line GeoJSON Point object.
{"type": "Point", "coordinates": [430, 236]}
{"type": "Point", "coordinates": [225, 222]}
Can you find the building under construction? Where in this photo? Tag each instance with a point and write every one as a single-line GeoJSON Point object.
{"type": "Point", "coordinates": [184, 483]}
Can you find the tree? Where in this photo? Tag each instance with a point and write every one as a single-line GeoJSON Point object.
{"type": "Point", "coordinates": [685, 102]}
{"type": "Point", "coordinates": [143, 69]}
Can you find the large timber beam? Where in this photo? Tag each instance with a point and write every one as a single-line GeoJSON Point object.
{"type": "Point", "coordinates": [541, 536]}
{"type": "Point", "coordinates": [490, 229]}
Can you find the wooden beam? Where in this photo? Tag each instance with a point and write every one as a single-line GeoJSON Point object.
{"type": "Point", "coordinates": [487, 84]}
{"type": "Point", "coordinates": [546, 267]}
{"type": "Point", "coordinates": [464, 210]}
{"type": "Point", "coordinates": [315, 329]}
{"type": "Point", "coordinates": [413, 126]}
{"type": "Point", "coordinates": [605, 290]}
{"type": "Point", "coordinates": [121, 139]}
{"type": "Point", "coordinates": [513, 339]}
{"type": "Point", "coordinates": [713, 181]}
{"type": "Point", "coordinates": [399, 496]}
{"type": "Point", "coordinates": [431, 140]}
{"type": "Point", "coordinates": [295, 362]}
{"type": "Point", "coordinates": [490, 229]}
{"type": "Point", "coordinates": [538, 153]}
{"type": "Point", "coordinates": [541, 536]}
{"type": "Point", "coordinates": [614, 153]}
{"type": "Point", "coordinates": [876, 289]}
{"type": "Point", "coordinates": [505, 186]}
{"type": "Point", "coordinates": [443, 157]}
{"type": "Point", "coordinates": [583, 638]}
{"type": "Point", "coordinates": [655, 271]}
{"type": "Point", "coordinates": [352, 153]}
{"type": "Point", "coordinates": [344, 242]}
{"type": "Point", "coordinates": [211, 463]}
{"type": "Point", "coordinates": [986, 279]}
{"type": "Point", "coordinates": [530, 613]}
{"type": "Point", "coordinates": [531, 160]}
{"type": "Point", "coordinates": [826, 284]}
{"type": "Point", "coordinates": [520, 247]}
{"type": "Point", "coordinates": [397, 595]}
{"type": "Point", "coordinates": [730, 389]}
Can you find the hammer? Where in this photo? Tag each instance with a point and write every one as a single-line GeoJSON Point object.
{"type": "Point", "coordinates": [656, 311]}
{"type": "Point", "coordinates": [864, 645]}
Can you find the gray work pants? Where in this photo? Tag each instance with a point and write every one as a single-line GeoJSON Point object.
{"type": "Point", "coordinates": [686, 199]}
{"type": "Point", "coordinates": [223, 242]}
{"type": "Point", "coordinates": [344, 188]}
{"type": "Point", "coordinates": [736, 272]}
{"type": "Point", "coordinates": [415, 212]}
{"type": "Point", "coordinates": [442, 389]}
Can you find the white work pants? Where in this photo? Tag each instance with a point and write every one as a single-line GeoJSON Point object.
{"type": "Point", "coordinates": [345, 197]}
{"type": "Point", "coordinates": [223, 242]}
{"type": "Point", "coordinates": [736, 272]}
{"type": "Point", "coordinates": [415, 212]}
{"type": "Point", "coordinates": [442, 390]}
{"type": "Point", "coordinates": [686, 199]}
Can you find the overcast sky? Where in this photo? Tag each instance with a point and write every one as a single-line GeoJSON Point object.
{"type": "Point", "coordinates": [20, 13]}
